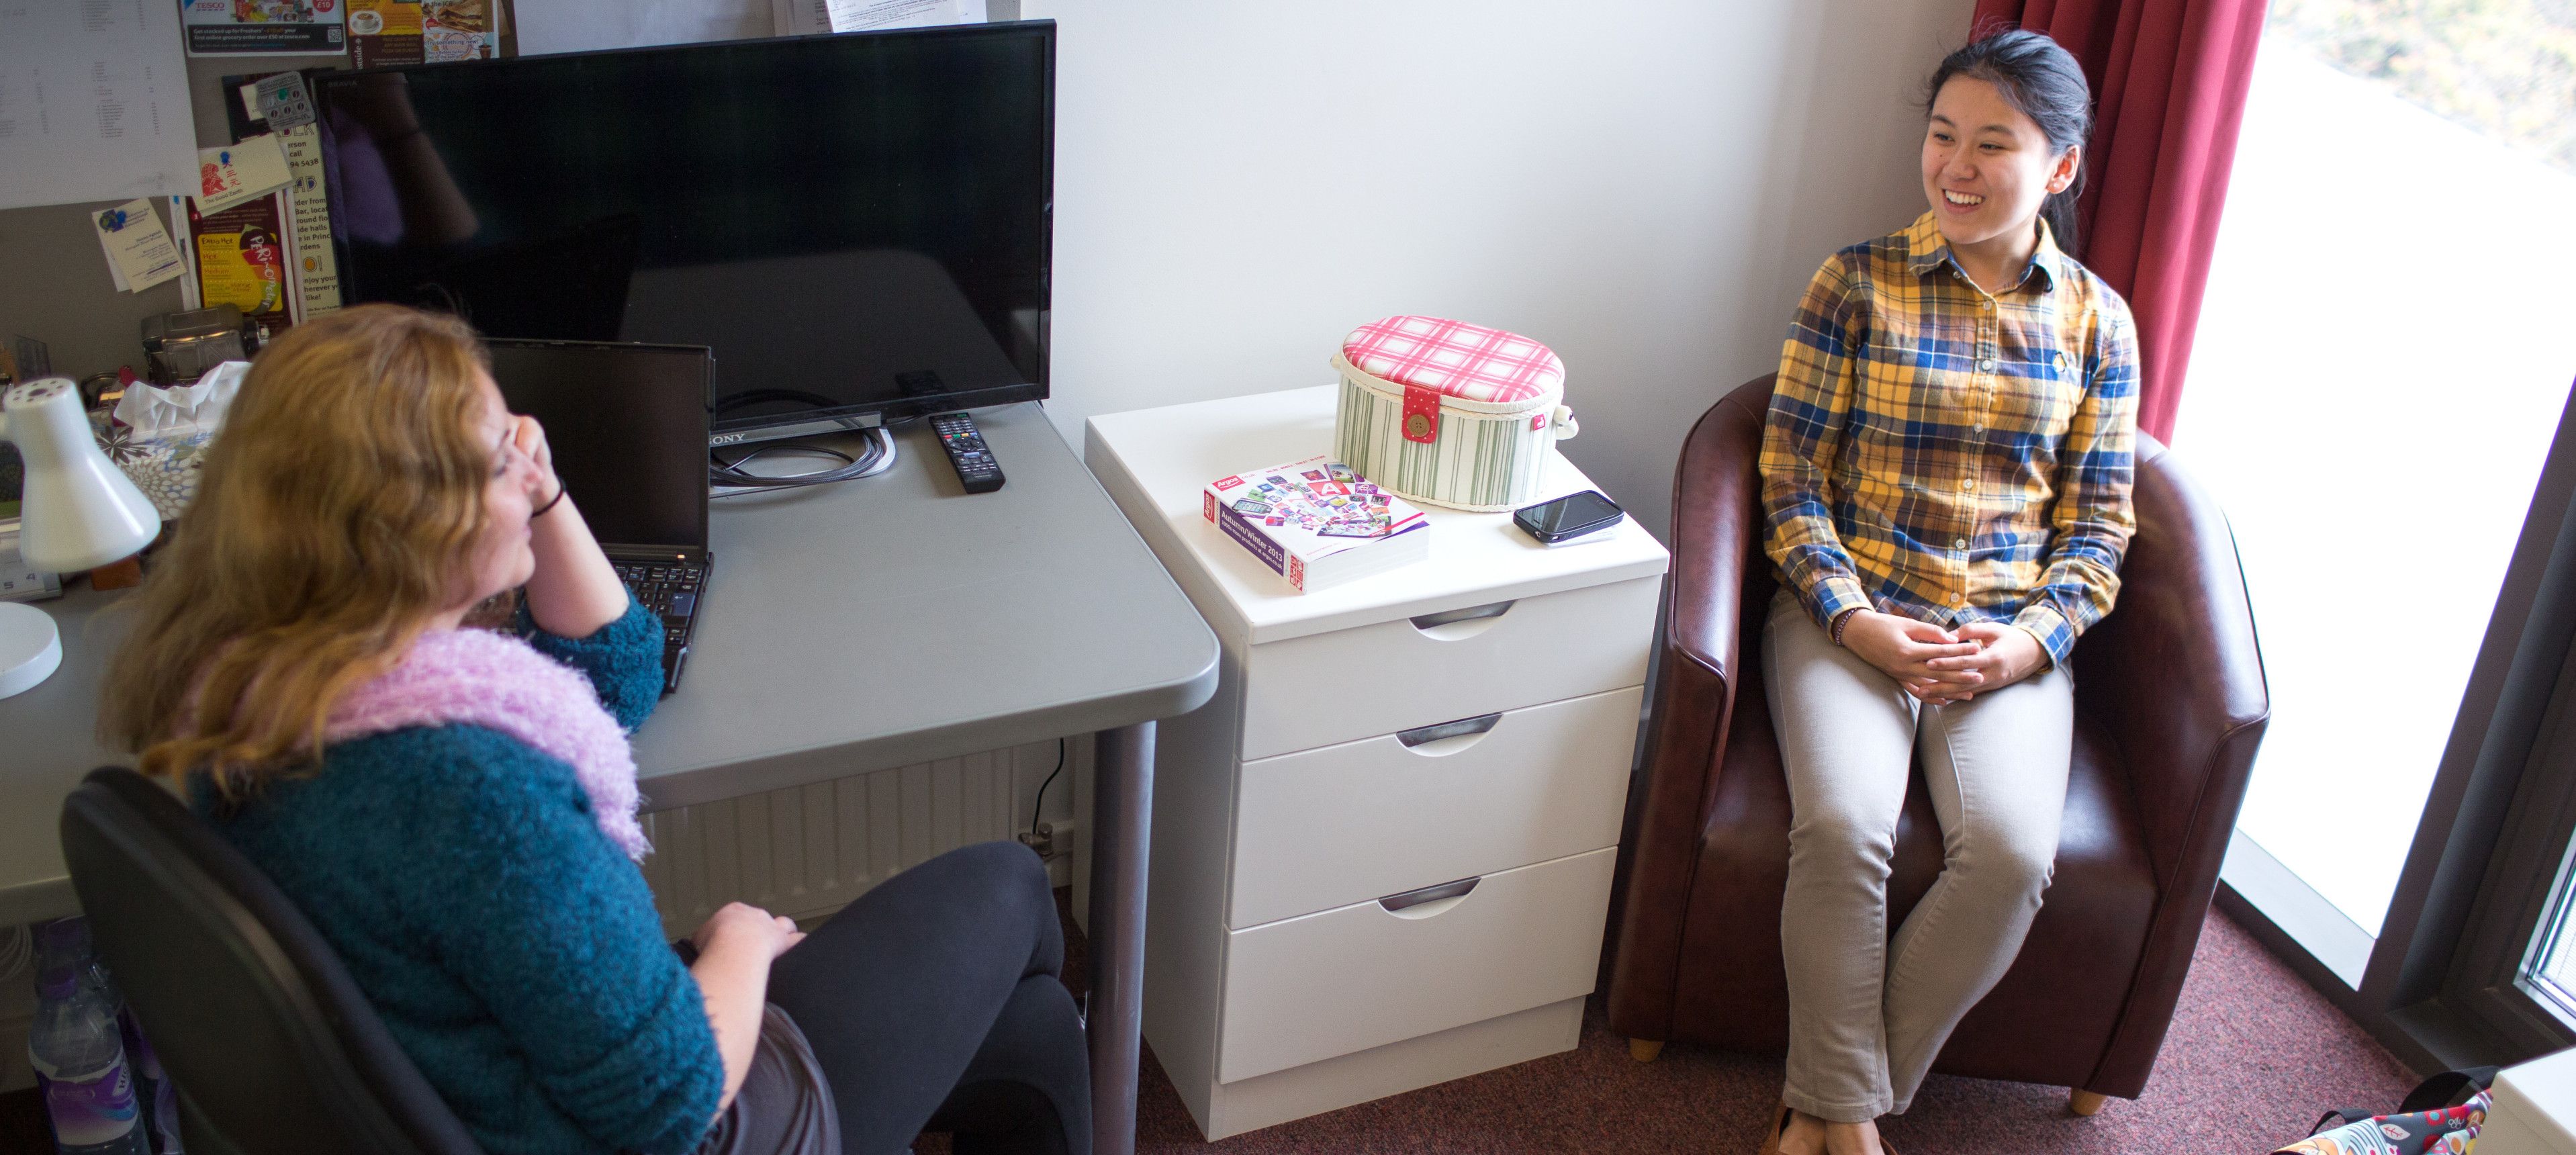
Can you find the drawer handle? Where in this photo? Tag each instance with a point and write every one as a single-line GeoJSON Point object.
{"type": "Point", "coordinates": [1429, 894]}
{"type": "Point", "coordinates": [1458, 729]}
{"type": "Point", "coordinates": [1454, 625]}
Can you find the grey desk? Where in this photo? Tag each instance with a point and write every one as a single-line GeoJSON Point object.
{"type": "Point", "coordinates": [847, 628]}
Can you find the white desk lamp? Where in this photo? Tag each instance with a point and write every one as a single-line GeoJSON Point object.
{"type": "Point", "coordinates": [75, 512]}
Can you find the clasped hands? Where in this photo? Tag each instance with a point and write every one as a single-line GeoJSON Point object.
{"type": "Point", "coordinates": [1941, 666]}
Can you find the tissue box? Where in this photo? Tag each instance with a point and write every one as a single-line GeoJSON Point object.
{"type": "Point", "coordinates": [158, 436]}
{"type": "Point", "coordinates": [165, 468]}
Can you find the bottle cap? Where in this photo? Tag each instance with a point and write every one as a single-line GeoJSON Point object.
{"type": "Point", "coordinates": [62, 953]}
{"type": "Point", "coordinates": [65, 934]}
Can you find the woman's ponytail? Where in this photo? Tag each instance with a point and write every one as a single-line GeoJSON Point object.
{"type": "Point", "coordinates": [2059, 211]}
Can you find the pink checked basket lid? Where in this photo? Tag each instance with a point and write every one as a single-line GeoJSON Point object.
{"type": "Point", "coordinates": [1468, 362]}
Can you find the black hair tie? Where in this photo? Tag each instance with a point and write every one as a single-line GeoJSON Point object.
{"type": "Point", "coordinates": [556, 500]}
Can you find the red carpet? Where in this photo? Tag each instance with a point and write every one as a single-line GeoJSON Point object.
{"type": "Point", "coordinates": [2254, 1056]}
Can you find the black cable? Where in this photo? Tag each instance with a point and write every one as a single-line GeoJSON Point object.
{"type": "Point", "coordinates": [1050, 781]}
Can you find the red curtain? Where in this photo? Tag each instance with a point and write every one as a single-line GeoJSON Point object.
{"type": "Point", "coordinates": [2169, 79]}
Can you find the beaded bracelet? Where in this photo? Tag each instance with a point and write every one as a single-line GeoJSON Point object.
{"type": "Point", "coordinates": [1843, 619]}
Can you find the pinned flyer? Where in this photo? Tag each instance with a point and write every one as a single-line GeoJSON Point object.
{"type": "Point", "coordinates": [877, 15]}
{"type": "Point", "coordinates": [140, 253]}
{"type": "Point", "coordinates": [281, 101]}
{"type": "Point", "coordinates": [235, 173]}
{"type": "Point", "coordinates": [317, 272]}
{"type": "Point", "coordinates": [812, 17]}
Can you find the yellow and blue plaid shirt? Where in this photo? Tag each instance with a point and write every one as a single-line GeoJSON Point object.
{"type": "Point", "coordinates": [1951, 455]}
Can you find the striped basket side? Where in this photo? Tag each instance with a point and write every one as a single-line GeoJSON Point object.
{"type": "Point", "coordinates": [1476, 463]}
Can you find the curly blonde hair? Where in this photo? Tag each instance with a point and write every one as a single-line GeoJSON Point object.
{"type": "Point", "coordinates": [337, 514]}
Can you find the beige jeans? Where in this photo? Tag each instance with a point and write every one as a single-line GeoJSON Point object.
{"type": "Point", "coordinates": [1867, 1014]}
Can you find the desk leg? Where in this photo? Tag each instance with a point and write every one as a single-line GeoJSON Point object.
{"type": "Point", "coordinates": [1121, 810]}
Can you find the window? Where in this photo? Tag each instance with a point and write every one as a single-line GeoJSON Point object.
{"type": "Point", "coordinates": [2552, 974]}
{"type": "Point", "coordinates": [2486, 977]}
{"type": "Point", "coordinates": [2383, 356]}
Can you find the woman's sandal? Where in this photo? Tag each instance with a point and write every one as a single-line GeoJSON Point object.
{"type": "Point", "coordinates": [1780, 1124]}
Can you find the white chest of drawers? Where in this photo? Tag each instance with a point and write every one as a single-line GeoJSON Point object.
{"type": "Point", "coordinates": [1381, 854]}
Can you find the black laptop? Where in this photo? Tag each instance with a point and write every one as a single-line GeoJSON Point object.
{"type": "Point", "coordinates": [628, 425]}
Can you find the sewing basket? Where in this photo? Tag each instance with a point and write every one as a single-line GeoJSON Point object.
{"type": "Point", "coordinates": [1446, 413]}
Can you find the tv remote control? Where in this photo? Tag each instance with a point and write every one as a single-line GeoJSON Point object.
{"type": "Point", "coordinates": [966, 450]}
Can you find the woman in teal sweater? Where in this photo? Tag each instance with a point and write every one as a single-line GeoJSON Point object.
{"type": "Point", "coordinates": [454, 807]}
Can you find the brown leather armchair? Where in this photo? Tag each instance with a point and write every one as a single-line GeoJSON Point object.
{"type": "Point", "coordinates": [2170, 704]}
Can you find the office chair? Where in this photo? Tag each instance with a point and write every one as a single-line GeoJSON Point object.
{"type": "Point", "coordinates": [270, 1043]}
{"type": "Point", "coordinates": [2170, 705]}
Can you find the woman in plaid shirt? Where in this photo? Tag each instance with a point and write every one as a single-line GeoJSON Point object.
{"type": "Point", "coordinates": [1946, 472]}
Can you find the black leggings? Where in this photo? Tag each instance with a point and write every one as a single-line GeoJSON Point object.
{"type": "Point", "coordinates": [932, 1004]}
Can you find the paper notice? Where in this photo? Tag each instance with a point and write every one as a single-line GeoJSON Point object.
{"type": "Point", "coordinates": [93, 103]}
{"type": "Point", "coordinates": [317, 271]}
{"type": "Point", "coordinates": [389, 33]}
{"type": "Point", "coordinates": [385, 33]}
{"type": "Point", "coordinates": [261, 27]}
{"type": "Point", "coordinates": [808, 17]}
{"type": "Point", "coordinates": [241, 260]}
{"type": "Point", "coordinates": [235, 173]}
{"type": "Point", "coordinates": [459, 30]}
{"type": "Point", "coordinates": [139, 250]}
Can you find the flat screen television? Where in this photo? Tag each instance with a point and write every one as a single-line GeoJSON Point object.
{"type": "Point", "coordinates": [859, 225]}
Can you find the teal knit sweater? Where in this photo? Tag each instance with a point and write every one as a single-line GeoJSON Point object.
{"type": "Point", "coordinates": [510, 948]}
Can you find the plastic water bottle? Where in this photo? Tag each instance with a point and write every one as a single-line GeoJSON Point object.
{"type": "Point", "coordinates": [160, 1100]}
{"type": "Point", "coordinates": [79, 1053]}
{"type": "Point", "coordinates": [153, 1092]}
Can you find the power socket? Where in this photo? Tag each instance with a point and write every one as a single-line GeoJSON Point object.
{"type": "Point", "coordinates": [1052, 840]}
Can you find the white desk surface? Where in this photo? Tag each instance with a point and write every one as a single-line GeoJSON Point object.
{"type": "Point", "coordinates": [1170, 453]}
{"type": "Point", "coordinates": [2534, 1112]}
{"type": "Point", "coordinates": [846, 628]}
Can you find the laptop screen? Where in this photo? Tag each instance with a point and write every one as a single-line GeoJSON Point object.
{"type": "Point", "coordinates": [628, 425]}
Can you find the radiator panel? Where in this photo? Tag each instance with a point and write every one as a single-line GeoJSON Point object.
{"type": "Point", "coordinates": [808, 850]}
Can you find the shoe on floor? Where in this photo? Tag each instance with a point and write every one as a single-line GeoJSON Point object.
{"type": "Point", "coordinates": [1779, 1123]}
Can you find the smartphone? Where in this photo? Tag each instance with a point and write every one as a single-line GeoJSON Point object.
{"type": "Point", "coordinates": [1569, 518]}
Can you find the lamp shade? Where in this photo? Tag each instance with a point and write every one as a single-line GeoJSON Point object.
{"type": "Point", "coordinates": [76, 511]}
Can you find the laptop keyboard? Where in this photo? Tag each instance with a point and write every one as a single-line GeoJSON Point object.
{"type": "Point", "coordinates": [670, 591]}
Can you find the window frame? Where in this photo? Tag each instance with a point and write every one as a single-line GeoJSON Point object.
{"type": "Point", "coordinates": [2527, 881]}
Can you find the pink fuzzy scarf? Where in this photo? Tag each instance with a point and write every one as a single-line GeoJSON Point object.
{"type": "Point", "coordinates": [500, 683]}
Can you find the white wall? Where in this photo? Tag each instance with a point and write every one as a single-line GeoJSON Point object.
{"type": "Point", "coordinates": [1642, 184]}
